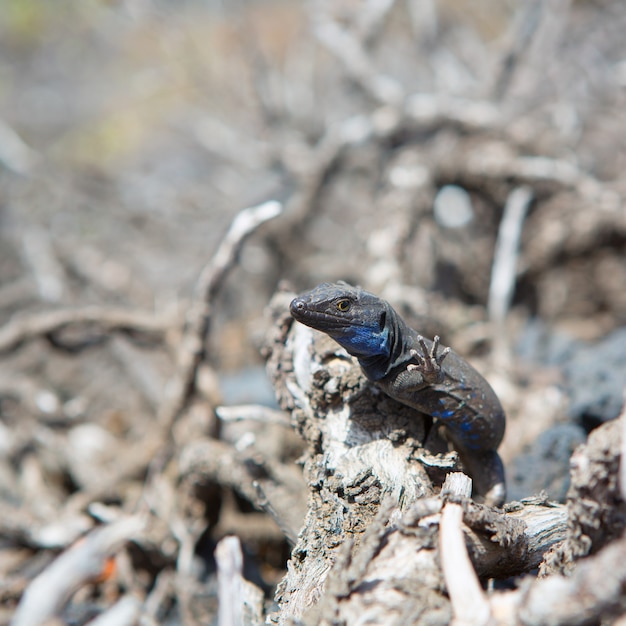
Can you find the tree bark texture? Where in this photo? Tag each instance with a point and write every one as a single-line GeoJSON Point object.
{"type": "Point", "coordinates": [368, 549]}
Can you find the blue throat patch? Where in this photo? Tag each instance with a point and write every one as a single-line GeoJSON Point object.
{"type": "Point", "coordinates": [361, 341]}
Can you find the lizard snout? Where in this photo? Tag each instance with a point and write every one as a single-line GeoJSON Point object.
{"type": "Point", "coordinates": [297, 307]}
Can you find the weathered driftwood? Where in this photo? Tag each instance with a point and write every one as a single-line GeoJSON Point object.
{"type": "Point", "coordinates": [596, 519]}
{"type": "Point", "coordinates": [593, 592]}
{"type": "Point", "coordinates": [368, 550]}
{"type": "Point", "coordinates": [596, 508]}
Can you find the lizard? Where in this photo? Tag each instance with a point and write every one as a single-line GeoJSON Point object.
{"type": "Point", "coordinates": [416, 372]}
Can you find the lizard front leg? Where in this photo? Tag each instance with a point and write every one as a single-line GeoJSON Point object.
{"type": "Point", "coordinates": [428, 362]}
{"type": "Point", "coordinates": [426, 371]}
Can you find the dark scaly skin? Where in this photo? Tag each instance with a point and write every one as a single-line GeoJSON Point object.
{"type": "Point", "coordinates": [416, 372]}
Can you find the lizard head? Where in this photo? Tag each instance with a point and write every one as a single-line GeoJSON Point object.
{"type": "Point", "coordinates": [354, 318]}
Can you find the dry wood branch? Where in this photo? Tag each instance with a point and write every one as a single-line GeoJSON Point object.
{"type": "Point", "coordinates": [131, 462]}
{"type": "Point", "coordinates": [541, 34]}
{"type": "Point", "coordinates": [499, 161]}
{"type": "Point", "coordinates": [428, 110]}
{"type": "Point", "coordinates": [82, 563]}
{"type": "Point", "coordinates": [469, 603]}
{"type": "Point", "coordinates": [265, 483]}
{"type": "Point", "coordinates": [192, 346]}
{"type": "Point", "coordinates": [596, 509]}
{"type": "Point", "coordinates": [526, 23]}
{"type": "Point", "coordinates": [364, 449]}
{"type": "Point", "coordinates": [391, 573]}
{"type": "Point", "coordinates": [22, 528]}
{"type": "Point", "coordinates": [123, 613]}
{"type": "Point", "coordinates": [245, 223]}
{"type": "Point", "coordinates": [594, 590]}
{"type": "Point", "coordinates": [99, 322]}
{"type": "Point", "coordinates": [377, 529]}
{"type": "Point", "coordinates": [240, 602]}
{"type": "Point", "coordinates": [160, 595]}
{"type": "Point", "coordinates": [229, 567]}
{"type": "Point", "coordinates": [457, 484]}
{"type": "Point", "coordinates": [570, 227]}
{"type": "Point", "coordinates": [370, 19]}
{"type": "Point", "coordinates": [349, 49]}
{"type": "Point", "coordinates": [254, 412]}
{"type": "Point", "coordinates": [506, 254]}
{"type": "Point", "coordinates": [312, 166]}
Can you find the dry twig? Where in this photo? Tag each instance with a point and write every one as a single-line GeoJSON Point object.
{"type": "Point", "coordinates": [124, 612]}
{"type": "Point", "coordinates": [82, 563]}
{"type": "Point", "coordinates": [469, 603]}
{"type": "Point", "coordinates": [594, 590]}
{"type": "Point", "coordinates": [101, 322]}
{"type": "Point", "coordinates": [506, 253]}
{"type": "Point", "coordinates": [192, 345]}
{"type": "Point", "coordinates": [238, 598]}
{"type": "Point", "coordinates": [254, 412]}
{"type": "Point", "coordinates": [264, 482]}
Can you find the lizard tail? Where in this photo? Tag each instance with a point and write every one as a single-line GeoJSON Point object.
{"type": "Point", "coordinates": [487, 473]}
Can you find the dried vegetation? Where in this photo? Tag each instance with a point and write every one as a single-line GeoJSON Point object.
{"type": "Point", "coordinates": [464, 160]}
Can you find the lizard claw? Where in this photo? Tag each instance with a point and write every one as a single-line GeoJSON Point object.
{"type": "Point", "coordinates": [428, 362]}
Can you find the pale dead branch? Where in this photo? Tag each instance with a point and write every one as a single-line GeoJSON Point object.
{"type": "Point", "coordinates": [82, 563]}
{"type": "Point", "coordinates": [240, 602]}
{"type": "Point", "coordinates": [192, 346]}
{"type": "Point", "coordinates": [469, 603]}
{"type": "Point", "coordinates": [90, 324]}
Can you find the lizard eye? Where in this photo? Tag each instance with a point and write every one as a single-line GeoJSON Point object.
{"type": "Point", "coordinates": [343, 305]}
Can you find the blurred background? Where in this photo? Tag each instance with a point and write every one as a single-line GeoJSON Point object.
{"type": "Point", "coordinates": [393, 133]}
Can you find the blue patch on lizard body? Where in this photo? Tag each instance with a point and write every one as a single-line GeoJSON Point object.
{"type": "Point", "coordinates": [363, 341]}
